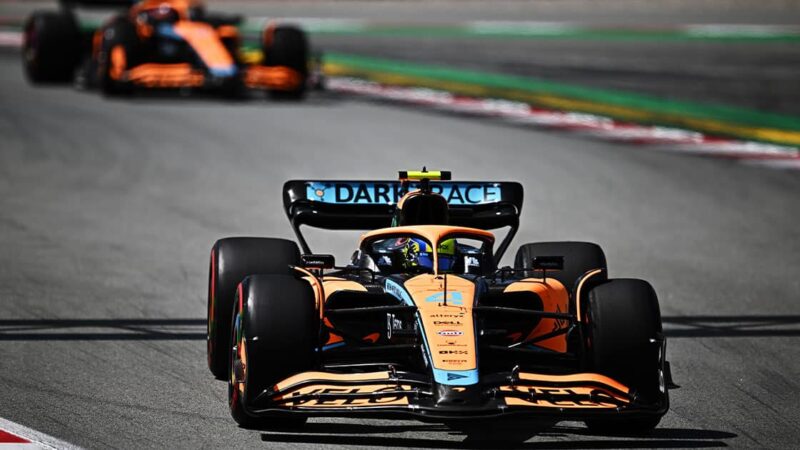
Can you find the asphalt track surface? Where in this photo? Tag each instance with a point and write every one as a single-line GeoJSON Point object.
{"type": "Point", "coordinates": [760, 75]}
{"type": "Point", "coordinates": [108, 209]}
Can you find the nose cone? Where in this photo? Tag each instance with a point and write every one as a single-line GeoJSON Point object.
{"type": "Point", "coordinates": [223, 71]}
{"type": "Point", "coordinates": [458, 396]}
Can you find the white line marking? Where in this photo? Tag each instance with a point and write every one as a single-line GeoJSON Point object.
{"type": "Point", "coordinates": [675, 139]}
{"type": "Point", "coordinates": [590, 125]}
{"type": "Point", "coordinates": [38, 440]}
{"type": "Point", "coordinates": [10, 39]}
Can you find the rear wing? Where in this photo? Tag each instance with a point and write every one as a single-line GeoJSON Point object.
{"type": "Point", "coordinates": [368, 205]}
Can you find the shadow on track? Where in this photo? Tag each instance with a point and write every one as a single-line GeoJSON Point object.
{"type": "Point", "coordinates": [172, 96]}
{"type": "Point", "coordinates": [731, 326]}
{"type": "Point", "coordinates": [194, 329]}
{"type": "Point", "coordinates": [112, 329]}
{"type": "Point", "coordinates": [493, 435]}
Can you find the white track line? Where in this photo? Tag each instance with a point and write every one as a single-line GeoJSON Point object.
{"type": "Point", "coordinates": [605, 128]}
{"type": "Point", "coordinates": [594, 126]}
{"type": "Point", "coordinates": [10, 39]}
{"type": "Point", "coordinates": [37, 440]}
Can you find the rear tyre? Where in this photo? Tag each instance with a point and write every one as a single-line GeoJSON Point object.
{"type": "Point", "coordinates": [287, 46]}
{"type": "Point", "coordinates": [275, 329]}
{"type": "Point", "coordinates": [51, 47]}
{"type": "Point", "coordinates": [623, 318]}
{"type": "Point", "coordinates": [579, 258]}
{"type": "Point", "coordinates": [232, 259]}
{"type": "Point", "coordinates": [120, 52]}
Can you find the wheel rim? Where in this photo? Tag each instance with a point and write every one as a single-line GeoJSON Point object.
{"type": "Point", "coordinates": [211, 326]}
{"type": "Point", "coordinates": [236, 389]}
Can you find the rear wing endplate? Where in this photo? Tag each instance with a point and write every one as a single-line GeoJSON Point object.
{"type": "Point", "coordinates": [367, 205]}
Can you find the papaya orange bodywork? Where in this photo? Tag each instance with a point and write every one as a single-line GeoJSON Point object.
{"type": "Point", "coordinates": [166, 75]}
{"type": "Point", "coordinates": [555, 299]}
{"type": "Point", "coordinates": [448, 328]}
{"type": "Point", "coordinates": [272, 77]}
{"type": "Point", "coordinates": [205, 41]}
{"type": "Point", "coordinates": [117, 62]}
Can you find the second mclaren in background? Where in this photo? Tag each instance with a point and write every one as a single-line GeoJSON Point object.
{"type": "Point", "coordinates": [162, 44]}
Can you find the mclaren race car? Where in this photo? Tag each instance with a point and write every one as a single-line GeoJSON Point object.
{"type": "Point", "coordinates": [422, 322]}
{"type": "Point", "coordinates": [162, 44]}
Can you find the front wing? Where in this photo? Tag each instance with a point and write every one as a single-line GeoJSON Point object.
{"type": "Point", "coordinates": [388, 393]}
{"type": "Point", "coordinates": [183, 75]}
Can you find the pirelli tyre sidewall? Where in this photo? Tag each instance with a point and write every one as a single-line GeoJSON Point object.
{"type": "Point", "coordinates": [623, 333]}
{"type": "Point", "coordinates": [232, 259]}
{"type": "Point", "coordinates": [274, 334]}
{"type": "Point", "coordinates": [51, 47]}
{"type": "Point", "coordinates": [286, 45]}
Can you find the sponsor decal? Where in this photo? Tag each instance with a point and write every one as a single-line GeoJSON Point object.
{"type": "Point", "coordinates": [559, 323]}
{"type": "Point", "coordinates": [455, 362]}
{"type": "Point", "coordinates": [394, 289]}
{"type": "Point", "coordinates": [390, 397]}
{"type": "Point", "coordinates": [316, 191]}
{"type": "Point", "coordinates": [373, 193]}
{"type": "Point", "coordinates": [456, 377]}
{"type": "Point", "coordinates": [450, 333]}
{"type": "Point", "coordinates": [452, 323]}
{"type": "Point", "coordinates": [448, 316]}
{"type": "Point", "coordinates": [453, 298]}
{"type": "Point", "coordinates": [576, 397]}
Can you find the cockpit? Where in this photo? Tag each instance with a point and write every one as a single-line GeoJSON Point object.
{"type": "Point", "coordinates": [432, 250]}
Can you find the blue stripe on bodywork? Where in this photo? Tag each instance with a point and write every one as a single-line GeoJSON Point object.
{"type": "Point", "coordinates": [223, 71]}
{"type": "Point", "coordinates": [168, 31]}
{"type": "Point", "coordinates": [394, 289]}
{"type": "Point", "coordinates": [456, 377]}
{"type": "Point", "coordinates": [334, 345]}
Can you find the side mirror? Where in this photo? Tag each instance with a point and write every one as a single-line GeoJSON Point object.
{"type": "Point", "coordinates": [318, 261]}
{"type": "Point", "coordinates": [545, 263]}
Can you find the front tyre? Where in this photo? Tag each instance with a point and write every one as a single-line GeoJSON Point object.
{"type": "Point", "coordinates": [287, 46]}
{"type": "Point", "coordinates": [274, 334]}
{"type": "Point", "coordinates": [624, 334]}
{"type": "Point", "coordinates": [51, 47]}
{"type": "Point", "coordinates": [232, 259]}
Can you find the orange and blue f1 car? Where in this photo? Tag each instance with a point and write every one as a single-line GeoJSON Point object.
{"type": "Point", "coordinates": [156, 44]}
{"type": "Point", "coordinates": [422, 322]}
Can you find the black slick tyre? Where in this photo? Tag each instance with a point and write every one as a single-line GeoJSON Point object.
{"type": "Point", "coordinates": [287, 46]}
{"type": "Point", "coordinates": [274, 333]}
{"type": "Point", "coordinates": [232, 259]}
{"type": "Point", "coordinates": [51, 47]}
{"type": "Point", "coordinates": [623, 322]}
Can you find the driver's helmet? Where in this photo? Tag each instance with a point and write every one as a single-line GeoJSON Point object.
{"type": "Point", "coordinates": [160, 12]}
{"type": "Point", "coordinates": [421, 208]}
{"type": "Point", "coordinates": [417, 253]}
